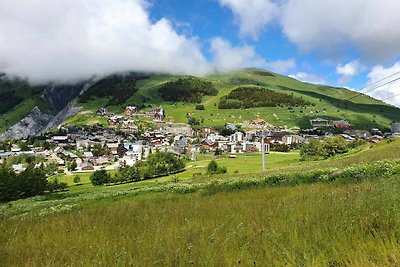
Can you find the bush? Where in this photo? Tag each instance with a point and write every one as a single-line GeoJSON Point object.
{"type": "Point", "coordinates": [213, 168]}
{"type": "Point", "coordinates": [100, 177]}
{"type": "Point", "coordinates": [330, 147]}
{"type": "Point", "coordinates": [55, 185]}
{"type": "Point", "coordinates": [200, 107]}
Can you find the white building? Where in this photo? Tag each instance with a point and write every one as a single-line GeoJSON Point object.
{"type": "Point", "coordinates": [396, 128]}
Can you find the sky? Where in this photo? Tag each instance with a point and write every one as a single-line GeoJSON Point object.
{"type": "Point", "coordinates": [334, 42]}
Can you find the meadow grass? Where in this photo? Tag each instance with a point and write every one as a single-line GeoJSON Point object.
{"type": "Point", "coordinates": [308, 225]}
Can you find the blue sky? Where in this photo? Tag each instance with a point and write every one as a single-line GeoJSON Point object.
{"type": "Point", "coordinates": [208, 19]}
{"type": "Point", "coordinates": [334, 42]}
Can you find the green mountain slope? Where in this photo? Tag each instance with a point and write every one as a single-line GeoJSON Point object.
{"type": "Point", "coordinates": [361, 111]}
{"type": "Point", "coordinates": [117, 92]}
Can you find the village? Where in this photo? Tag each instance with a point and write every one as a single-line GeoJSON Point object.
{"type": "Point", "coordinates": [124, 141]}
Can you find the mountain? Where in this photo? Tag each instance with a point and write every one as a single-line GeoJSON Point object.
{"type": "Point", "coordinates": [226, 98]}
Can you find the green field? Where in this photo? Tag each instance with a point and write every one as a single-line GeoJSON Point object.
{"type": "Point", "coordinates": [204, 221]}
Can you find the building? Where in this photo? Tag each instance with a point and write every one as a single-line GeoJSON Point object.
{"type": "Point", "coordinates": [131, 110]}
{"type": "Point", "coordinates": [396, 127]}
{"type": "Point", "coordinates": [87, 166]}
{"type": "Point", "coordinates": [102, 112]}
{"type": "Point", "coordinates": [318, 122]}
{"type": "Point", "coordinates": [342, 124]}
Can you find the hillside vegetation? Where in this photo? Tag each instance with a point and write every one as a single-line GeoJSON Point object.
{"type": "Point", "coordinates": [188, 90]}
{"type": "Point", "coordinates": [180, 95]}
{"type": "Point", "coordinates": [251, 97]}
{"type": "Point", "coordinates": [177, 96]}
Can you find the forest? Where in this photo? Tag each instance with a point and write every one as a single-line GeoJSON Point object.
{"type": "Point", "coordinates": [188, 90]}
{"type": "Point", "coordinates": [251, 97]}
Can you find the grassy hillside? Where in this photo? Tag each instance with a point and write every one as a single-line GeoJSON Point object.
{"type": "Point", "coordinates": [116, 92]}
{"type": "Point", "coordinates": [332, 103]}
{"type": "Point", "coordinates": [17, 99]}
{"type": "Point", "coordinates": [221, 221]}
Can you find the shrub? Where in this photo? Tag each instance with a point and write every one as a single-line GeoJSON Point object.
{"type": "Point", "coordinates": [200, 107]}
{"type": "Point", "coordinates": [100, 177]}
{"type": "Point", "coordinates": [213, 168]}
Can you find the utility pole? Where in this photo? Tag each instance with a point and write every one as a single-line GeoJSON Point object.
{"type": "Point", "coordinates": [263, 150]}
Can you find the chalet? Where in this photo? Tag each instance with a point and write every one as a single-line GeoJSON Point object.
{"type": "Point", "coordinates": [102, 112]}
{"type": "Point", "coordinates": [87, 166]}
{"type": "Point", "coordinates": [88, 154]}
{"type": "Point", "coordinates": [236, 137]}
{"type": "Point", "coordinates": [205, 131]}
{"type": "Point", "coordinates": [114, 120]}
{"type": "Point", "coordinates": [131, 110]}
{"type": "Point", "coordinates": [157, 113]}
{"type": "Point", "coordinates": [293, 139]}
{"type": "Point", "coordinates": [342, 124]}
{"type": "Point", "coordinates": [318, 122]}
{"type": "Point", "coordinates": [60, 140]}
{"type": "Point", "coordinates": [112, 148]}
{"type": "Point", "coordinates": [396, 128]}
{"type": "Point", "coordinates": [209, 145]}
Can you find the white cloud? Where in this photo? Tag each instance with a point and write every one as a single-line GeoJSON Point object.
{"type": "Point", "coordinates": [66, 40]}
{"type": "Point", "coordinates": [389, 93]}
{"type": "Point", "coordinates": [329, 25]}
{"type": "Point", "coordinates": [228, 57]}
{"type": "Point", "coordinates": [308, 77]}
{"type": "Point", "coordinates": [348, 71]}
{"type": "Point", "coordinates": [252, 16]}
{"type": "Point", "coordinates": [325, 26]}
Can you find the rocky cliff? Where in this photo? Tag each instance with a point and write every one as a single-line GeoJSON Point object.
{"type": "Point", "coordinates": [31, 125]}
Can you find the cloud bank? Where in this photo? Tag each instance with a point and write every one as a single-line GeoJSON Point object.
{"type": "Point", "coordinates": [327, 26]}
{"type": "Point", "coordinates": [66, 40]}
{"type": "Point", "coordinates": [389, 93]}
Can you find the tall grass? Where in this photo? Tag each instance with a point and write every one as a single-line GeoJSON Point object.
{"type": "Point", "coordinates": [307, 225]}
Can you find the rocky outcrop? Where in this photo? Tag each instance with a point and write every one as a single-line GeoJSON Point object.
{"type": "Point", "coordinates": [31, 125]}
{"type": "Point", "coordinates": [69, 111]}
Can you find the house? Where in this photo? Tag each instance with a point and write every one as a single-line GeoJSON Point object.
{"type": "Point", "coordinates": [236, 137]}
{"type": "Point", "coordinates": [396, 127]}
{"type": "Point", "coordinates": [88, 154]}
{"type": "Point", "coordinates": [60, 139]}
{"type": "Point", "coordinates": [131, 110]}
{"type": "Point", "coordinates": [230, 127]}
{"type": "Point", "coordinates": [293, 139]}
{"type": "Point", "coordinates": [112, 148]}
{"type": "Point", "coordinates": [318, 122]}
{"type": "Point", "coordinates": [130, 154]}
{"type": "Point", "coordinates": [87, 166]}
{"type": "Point", "coordinates": [157, 113]}
{"type": "Point", "coordinates": [102, 112]}
{"type": "Point", "coordinates": [342, 124]}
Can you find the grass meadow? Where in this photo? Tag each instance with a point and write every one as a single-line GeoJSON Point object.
{"type": "Point", "coordinates": [238, 219]}
{"type": "Point", "coordinates": [308, 225]}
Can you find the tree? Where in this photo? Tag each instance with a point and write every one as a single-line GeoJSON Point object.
{"type": "Point", "coordinates": [72, 166]}
{"type": "Point", "coordinates": [100, 177]}
{"type": "Point", "coordinates": [218, 152]}
{"type": "Point", "coordinates": [77, 179]}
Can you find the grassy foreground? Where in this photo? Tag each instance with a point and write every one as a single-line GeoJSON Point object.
{"type": "Point", "coordinates": [308, 225]}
